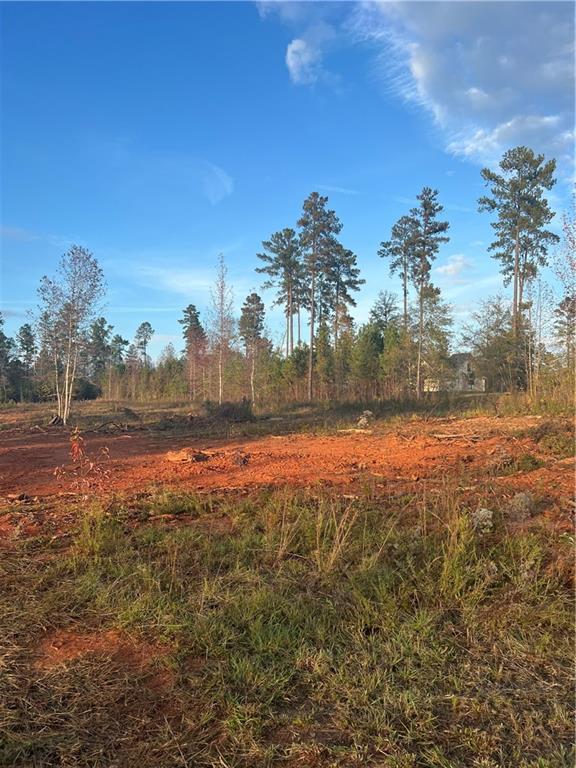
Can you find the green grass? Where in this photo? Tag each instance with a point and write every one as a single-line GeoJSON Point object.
{"type": "Point", "coordinates": [309, 631]}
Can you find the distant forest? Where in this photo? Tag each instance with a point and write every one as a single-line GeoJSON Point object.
{"type": "Point", "coordinates": [520, 341]}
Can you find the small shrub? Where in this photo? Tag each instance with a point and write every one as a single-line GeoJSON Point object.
{"type": "Point", "coordinates": [86, 390]}
{"type": "Point", "coordinates": [555, 437]}
{"type": "Point", "coordinates": [240, 411]}
{"type": "Point", "coordinates": [526, 462]}
{"type": "Point", "coordinates": [482, 520]}
{"type": "Point", "coordinates": [560, 445]}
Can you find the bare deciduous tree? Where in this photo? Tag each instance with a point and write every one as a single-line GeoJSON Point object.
{"type": "Point", "coordinates": [68, 304]}
{"type": "Point", "coordinates": [222, 321]}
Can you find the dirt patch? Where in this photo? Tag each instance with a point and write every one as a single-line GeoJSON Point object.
{"type": "Point", "coordinates": [390, 459]}
{"type": "Point", "coordinates": [64, 646]}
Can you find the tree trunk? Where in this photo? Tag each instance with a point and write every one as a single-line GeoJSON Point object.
{"type": "Point", "coordinates": [252, 371]}
{"type": "Point", "coordinates": [57, 382]}
{"type": "Point", "coordinates": [220, 382]}
{"type": "Point", "coordinates": [190, 395]}
{"type": "Point", "coordinates": [299, 336]}
{"type": "Point", "coordinates": [405, 291]}
{"type": "Point", "coordinates": [291, 315]}
{"type": "Point", "coordinates": [420, 335]}
{"type": "Point", "coordinates": [311, 350]}
{"type": "Point", "coordinates": [515, 289]}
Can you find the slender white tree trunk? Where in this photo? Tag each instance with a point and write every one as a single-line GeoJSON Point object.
{"type": "Point", "coordinates": [220, 381]}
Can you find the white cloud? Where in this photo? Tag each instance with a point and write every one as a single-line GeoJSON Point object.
{"type": "Point", "coordinates": [303, 62]}
{"type": "Point", "coordinates": [474, 288]}
{"type": "Point", "coordinates": [455, 265]}
{"type": "Point", "coordinates": [492, 75]}
{"type": "Point", "coordinates": [315, 33]}
{"type": "Point", "coordinates": [186, 282]}
{"type": "Point", "coordinates": [486, 145]}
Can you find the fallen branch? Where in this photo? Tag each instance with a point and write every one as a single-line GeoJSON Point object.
{"type": "Point", "coordinates": [440, 436]}
{"type": "Point", "coordinates": [356, 430]}
{"type": "Point", "coordinates": [121, 427]}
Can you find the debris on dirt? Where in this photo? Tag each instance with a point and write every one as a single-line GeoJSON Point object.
{"type": "Point", "coordinates": [22, 497]}
{"type": "Point", "coordinates": [501, 459]}
{"type": "Point", "coordinates": [108, 426]}
{"type": "Point", "coordinates": [357, 430]}
{"type": "Point", "coordinates": [241, 459]}
{"type": "Point", "coordinates": [522, 506]}
{"type": "Point", "coordinates": [200, 456]}
{"type": "Point", "coordinates": [188, 455]}
{"type": "Point", "coordinates": [55, 421]}
{"type": "Point", "coordinates": [482, 520]}
{"type": "Point", "coordinates": [365, 420]}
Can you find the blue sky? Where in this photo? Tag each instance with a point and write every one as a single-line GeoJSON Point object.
{"type": "Point", "coordinates": [162, 134]}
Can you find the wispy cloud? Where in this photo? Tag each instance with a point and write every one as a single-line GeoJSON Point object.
{"type": "Point", "coordinates": [303, 62]}
{"type": "Point", "coordinates": [161, 171]}
{"type": "Point", "coordinates": [402, 200]}
{"type": "Point", "coordinates": [186, 282]}
{"type": "Point", "coordinates": [138, 310]}
{"type": "Point", "coordinates": [491, 75]}
{"type": "Point", "coordinates": [216, 183]}
{"type": "Point", "coordinates": [337, 190]}
{"type": "Point", "coordinates": [455, 265]}
{"type": "Point", "coordinates": [475, 286]}
{"type": "Point", "coordinates": [171, 276]}
{"type": "Point", "coordinates": [16, 233]}
{"type": "Point", "coordinates": [21, 235]}
{"type": "Point", "coordinates": [11, 312]}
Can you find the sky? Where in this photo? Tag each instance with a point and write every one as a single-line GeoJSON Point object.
{"type": "Point", "coordinates": [159, 135]}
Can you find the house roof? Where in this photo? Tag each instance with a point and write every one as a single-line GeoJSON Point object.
{"type": "Point", "coordinates": [458, 358]}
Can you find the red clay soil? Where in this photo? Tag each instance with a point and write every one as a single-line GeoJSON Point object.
{"type": "Point", "coordinates": [417, 451]}
{"type": "Point", "coordinates": [64, 646]}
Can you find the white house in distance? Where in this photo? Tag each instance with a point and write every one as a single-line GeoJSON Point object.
{"type": "Point", "coordinates": [463, 378]}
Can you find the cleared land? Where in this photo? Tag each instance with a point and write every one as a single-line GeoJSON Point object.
{"type": "Point", "coordinates": [286, 593]}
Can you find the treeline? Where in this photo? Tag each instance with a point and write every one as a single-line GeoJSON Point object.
{"type": "Point", "coordinates": [403, 350]}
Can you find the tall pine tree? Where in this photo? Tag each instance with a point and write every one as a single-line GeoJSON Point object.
{"type": "Point", "coordinates": [522, 240]}
{"type": "Point", "coordinates": [399, 250]}
{"type": "Point", "coordinates": [250, 329]}
{"type": "Point", "coordinates": [195, 341]}
{"type": "Point", "coordinates": [282, 258]}
{"type": "Point", "coordinates": [318, 229]}
{"type": "Point", "coordinates": [429, 234]}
